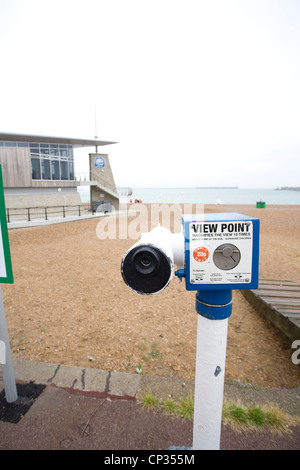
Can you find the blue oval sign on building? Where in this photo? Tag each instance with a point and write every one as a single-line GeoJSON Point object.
{"type": "Point", "coordinates": [99, 162]}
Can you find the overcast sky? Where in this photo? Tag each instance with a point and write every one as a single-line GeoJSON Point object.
{"type": "Point", "coordinates": [195, 92]}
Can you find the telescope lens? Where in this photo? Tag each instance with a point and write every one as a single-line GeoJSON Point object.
{"type": "Point", "coordinates": [146, 269]}
{"type": "Point", "coordinates": [146, 260]}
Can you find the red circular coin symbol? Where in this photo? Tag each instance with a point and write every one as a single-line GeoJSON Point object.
{"type": "Point", "coordinates": [200, 254]}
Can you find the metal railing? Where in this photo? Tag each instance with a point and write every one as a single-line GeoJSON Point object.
{"type": "Point", "coordinates": [94, 176]}
{"type": "Point", "coordinates": [44, 212]}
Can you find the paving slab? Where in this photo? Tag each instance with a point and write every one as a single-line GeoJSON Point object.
{"type": "Point", "coordinates": [85, 408]}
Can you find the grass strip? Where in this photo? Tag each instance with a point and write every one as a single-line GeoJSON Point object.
{"type": "Point", "coordinates": [237, 416]}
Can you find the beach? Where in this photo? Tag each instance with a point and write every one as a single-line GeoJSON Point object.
{"type": "Point", "coordinates": [70, 305]}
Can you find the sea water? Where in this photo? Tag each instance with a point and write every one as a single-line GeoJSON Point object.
{"type": "Point", "coordinates": [215, 196]}
{"type": "Point", "coordinates": [208, 195]}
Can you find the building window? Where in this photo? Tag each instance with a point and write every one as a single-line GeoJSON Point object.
{"type": "Point", "coordinates": [55, 169]}
{"type": "Point", "coordinates": [48, 161]}
{"type": "Point", "coordinates": [23, 144]}
{"type": "Point", "coordinates": [34, 149]}
{"type": "Point", "coordinates": [10, 144]}
{"type": "Point", "coordinates": [60, 167]}
{"type": "Point", "coordinates": [64, 170]}
{"type": "Point", "coordinates": [54, 152]}
{"type": "Point", "coordinates": [71, 168]}
{"type": "Point", "coordinates": [46, 175]}
{"type": "Point", "coordinates": [36, 169]}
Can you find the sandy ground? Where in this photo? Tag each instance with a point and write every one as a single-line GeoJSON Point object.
{"type": "Point", "coordinates": [69, 304]}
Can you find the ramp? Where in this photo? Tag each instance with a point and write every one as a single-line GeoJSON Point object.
{"type": "Point", "coordinates": [279, 301]}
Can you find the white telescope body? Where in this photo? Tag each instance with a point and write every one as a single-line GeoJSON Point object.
{"type": "Point", "coordinates": [148, 266]}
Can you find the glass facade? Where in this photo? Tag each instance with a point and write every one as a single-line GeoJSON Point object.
{"type": "Point", "coordinates": [48, 161]}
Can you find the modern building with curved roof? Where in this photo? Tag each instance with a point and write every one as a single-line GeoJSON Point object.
{"type": "Point", "coordinates": [38, 171]}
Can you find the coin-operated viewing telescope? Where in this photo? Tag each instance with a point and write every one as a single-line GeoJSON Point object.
{"type": "Point", "coordinates": [148, 266]}
{"type": "Point", "coordinates": [214, 253]}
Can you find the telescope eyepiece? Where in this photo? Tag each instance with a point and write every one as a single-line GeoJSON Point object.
{"type": "Point", "coordinates": [146, 260]}
{"type": "Point", "coordinates": [146, 269]}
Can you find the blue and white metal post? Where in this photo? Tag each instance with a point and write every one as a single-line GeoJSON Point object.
{"type": "Point", "coordinates": [213, 308]}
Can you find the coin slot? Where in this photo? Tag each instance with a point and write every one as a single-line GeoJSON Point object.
{"type": "Point", "coordinates": [226, 256]}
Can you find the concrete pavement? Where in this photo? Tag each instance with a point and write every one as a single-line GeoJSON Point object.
{"type": "Point", "coordinates": [95, 382]}
{"type": "Point", "coordinates": [85, 408]}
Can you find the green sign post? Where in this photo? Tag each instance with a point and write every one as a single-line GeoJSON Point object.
{"type": "Point", "coordinates": [6, 276]}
